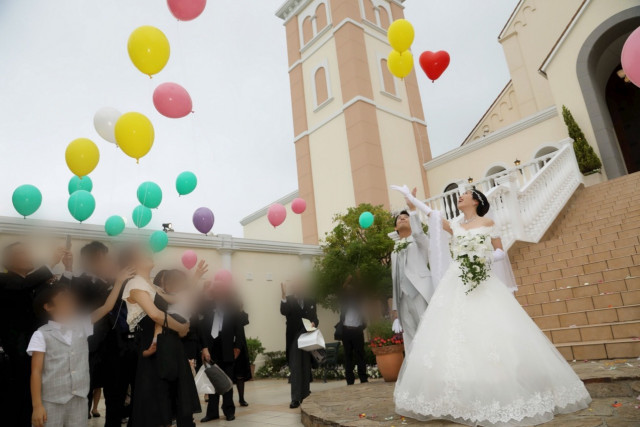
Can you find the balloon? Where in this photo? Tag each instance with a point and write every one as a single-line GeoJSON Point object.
{"type": "Point", "coordinates": [276, 214]}
{"type": "Point", "coordinates": [114, 225]}
{"type": "Point", "coordinates": [149, 194]}
{"type": "Point", "coordinates": [186, 183]}
{"type": "Point", "coordinates": [223, 276]}
{"type": "Point", "coordinates": [82, 156]}
{"type": "Point", "coordinates": [631, 57]}
{"type": "Point", "coordinates": [298, 205]}
{"type": "Point", "coordinates": [203, 220]}
{"type": "Point", "coordinates": [26, 199]}
{"type": "Point", "coordinates": [105, 121]}
{"type": "Point", "coordinates": [186, 10]}
{"type": "Point", "coordinates": [76, 183]}
{"type": "Point", "coordinates": [400, 64]}
{"type": "Point", "coordinates": [158, 241]}
{"type": "Point", "coordinates": [366, 219]}
{"type": "Point", "coordinates": [141, 216]}
{"type": "Point", "coordinates": [189, 259]}
{"type": "Point", "coordinates": [134, 134]}
{"type": "Point", "coordinates": [400, 35]}
{"type": "Point", "coordinates": [172, 100]}
{"type": "Point", "coordinates": [81, 205]}
{"type": "Point", "coordinates": [148, 49]}
{"type": "Point", "coordinates": [434, 63]}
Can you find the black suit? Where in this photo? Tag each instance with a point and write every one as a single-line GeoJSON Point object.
{"type": "Point", "coordinates": [299, 360]}
{"type": "Point", "coordinates": [222, 354]}
{"type": "Point", "coordinates": [353, 338]}
{"type": "Point", "coordinates": [17, 324]}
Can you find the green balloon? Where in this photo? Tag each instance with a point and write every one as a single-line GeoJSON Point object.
{"type": "Point", "coordinates": [26, 199]}
{"type": "Point", "coordinates": [141, 216]}
{"type": "Point", "coordinates": [76, 183]}
{"type": "Point", "coordinates": [149, 194]}
{"type": "Point", "coordinates": [158, 241]}
{"type": "Point", "coordinates": [81, 205]}
{"type": "Point", "coordinates": [186, 183]}
{"type": "Point", "coordinates": [114, 225]}
{"type": "Point", "coordinates": [366, 219]}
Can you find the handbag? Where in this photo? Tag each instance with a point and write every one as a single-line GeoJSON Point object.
{"type": "Point", "coordinates": [339, 331]}
{"type": "Point", "coordinates": [311, 341]}
{"type": "Point", "coordinates": [166, 356]}
{"type": "Point", "coordinates": [203, 385]}
{"type": "Point", "coordinates": [219, 380]}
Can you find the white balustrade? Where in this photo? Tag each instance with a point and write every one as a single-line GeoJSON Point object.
{"type": "Point", "coordinates": [525, 200]}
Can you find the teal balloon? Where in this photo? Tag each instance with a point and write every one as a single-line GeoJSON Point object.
{"type": "Point", "coordinates": [149, 194]}
{"type": "Point", "coordinates": [141, 216]}
{"type": "Point", "coordinates": [366, 219]}
{"type": "Point", "coordinates": [186, 183]}
{"type": "Point", "coordinates": [158, 241]}
{"type": "Point", "coordinates": [81, 205]}
{"type": "Point", "coordinates": [114, 225]}
{"type": "Point", "coordinates": [76, 183]}
{"type": "Point", "coordinates": [26, 199]}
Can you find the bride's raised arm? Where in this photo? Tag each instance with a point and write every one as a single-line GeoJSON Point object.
{"type": "Point", "coordinates": [420, 205]}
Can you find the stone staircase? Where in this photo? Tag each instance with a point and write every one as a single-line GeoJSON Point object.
{"type": "Point", "coordinates": [581, 282]}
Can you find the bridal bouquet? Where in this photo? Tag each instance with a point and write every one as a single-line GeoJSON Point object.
{"type": "Point", "coordinates": [473, 253]}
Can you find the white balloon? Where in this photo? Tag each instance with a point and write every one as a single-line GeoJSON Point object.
{"type": "Point", "coordinates": [105, 121]}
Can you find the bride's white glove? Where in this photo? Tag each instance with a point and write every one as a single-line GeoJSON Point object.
{"type": "Point", "coordinates": [414, 201]}
{"type": "Point", "coordinates": [396, 327]}
{"type": "Point", "coordinates": [498, 255]}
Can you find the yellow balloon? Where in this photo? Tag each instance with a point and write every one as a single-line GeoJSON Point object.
{"type": "Point", "coordinates": [82, 156]}
{"type": "Point", "coordinates": [148, 49]}
{"type": "Point", "coordinates": [134, 134]}
{"type": "Point", "coordinates": [400, 35]}
{"type": "Point", "coordinates": [400, 64]}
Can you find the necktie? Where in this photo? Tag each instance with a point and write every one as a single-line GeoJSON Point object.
{"type": "Point", "coordinates": [216, 326]}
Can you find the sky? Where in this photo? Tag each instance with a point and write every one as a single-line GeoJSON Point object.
{"type": "Point", "coordinates": [61, 61]}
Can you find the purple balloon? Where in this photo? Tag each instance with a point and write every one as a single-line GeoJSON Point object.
{"type": "Point", "coordinates": [203, 220]}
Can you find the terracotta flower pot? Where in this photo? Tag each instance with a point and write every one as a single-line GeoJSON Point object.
{"type": "Point", "coordinates": [389, 360]}
{"type": "Point", "coordinates": [253, 371]}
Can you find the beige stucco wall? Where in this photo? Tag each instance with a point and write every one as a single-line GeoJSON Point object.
{"type": "Point", "coordinates": [289, 231]}
{"type": "Point", "coordinates": [522, 145]}
{"type": "Point", "coordinates": [258, 276]}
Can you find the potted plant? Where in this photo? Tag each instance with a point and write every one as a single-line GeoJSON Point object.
{"type": "Point", "coordinates": [254, 348]}
{"type": "Point", "coordinates": [388, 349]}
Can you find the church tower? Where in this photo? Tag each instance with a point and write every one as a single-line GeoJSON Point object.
{"type": "Point", "coordinates": [357, 128]}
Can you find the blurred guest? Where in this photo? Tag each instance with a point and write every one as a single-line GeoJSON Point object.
{"type": "Point", "coordinates": [296, 307]}
{"type": "Point", "coordinates": [18, 287]}
{"type": "Point", "coordinates": [352, 318]}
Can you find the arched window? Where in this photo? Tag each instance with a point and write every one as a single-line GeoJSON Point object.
{"type": "Point", "coordinates": [369, 11]}
{"type": "Point", "coordinates": [388, 83]}
{"type": "Point", "coordinates": [451, 201]}
{"type": "Point", "coordinates": [322, 91]}
{"type": "Point", "coordinates": [321, 17]}
{"type": "Point", "coordinates": [384, 17]}
{"type": "Point", "coordinates": [542, 153]}
{"type": "Point", "coordinates": [493, 171]}
{"type": "Point", "coordinates": [307, 30]}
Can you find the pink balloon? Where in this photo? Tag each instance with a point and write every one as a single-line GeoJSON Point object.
{"type": "Point", "coordinates": [223, 276]}
{"type": "Point", "coordinates": [631, 57]}
{"type": "Point", "coordinates": [298, 205]}
{"type": "Point", "coordinates": [189, 259]}
{"type": "Point", "coordinates": [172, 100]}
{"type": "Point", "coordinates": [276, 214]}
{"type": "Point", "coordinates": [186, 10]}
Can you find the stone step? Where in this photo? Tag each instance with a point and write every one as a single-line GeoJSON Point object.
{"type": "Point", "coordinates": [589, 317]}
{"type": "Point", "coordinates": [597, 350]}
{"type": "Point", "coordinates": [528, 294]}
{"type": "Point", "coordinates": [597, 332]}
{"type": "Point", "coordinates": [580, 304]}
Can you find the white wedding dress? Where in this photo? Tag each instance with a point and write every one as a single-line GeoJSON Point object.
{"type": "Point", "coordinates": [479, 359]}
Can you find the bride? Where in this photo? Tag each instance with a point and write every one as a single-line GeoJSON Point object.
{"type": "Point", "coordinates": [477, 357]}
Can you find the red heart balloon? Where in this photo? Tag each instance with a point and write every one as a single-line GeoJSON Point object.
{"type": "Point", "coordinates": [434, 63]}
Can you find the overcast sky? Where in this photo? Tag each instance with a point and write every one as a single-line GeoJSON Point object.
{"type": "Point", "coordinates": [62, 60]}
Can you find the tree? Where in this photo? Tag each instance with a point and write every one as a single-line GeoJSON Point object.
{"type": "Point", "coordinates": [349, 248]}
{"type": "Point", "coordinates": [588, 160]}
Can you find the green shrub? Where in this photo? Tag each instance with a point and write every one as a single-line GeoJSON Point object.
{"type": "Point", "coordinates": [588, 160]}
{"type": "Point", "coordinates": [254, 347]}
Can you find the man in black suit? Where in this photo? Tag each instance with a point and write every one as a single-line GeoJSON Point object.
{"type": "Point", "coordinates": [296, 307]}
{"type": "Point", "coordinates": [18, 286]}
{"type": "Point", "coordinates": [352, 318]}
{"type": "Point", "coordinates": [220, 332]}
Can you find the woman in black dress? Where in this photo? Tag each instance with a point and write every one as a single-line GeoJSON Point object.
{"type": "Point", "coordinates": [242, 366]}
{"type": "Point", "coordinates": [156, 401]}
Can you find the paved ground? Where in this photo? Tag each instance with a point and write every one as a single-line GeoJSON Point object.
{"type": "Point", "coordinates": [268, 405]}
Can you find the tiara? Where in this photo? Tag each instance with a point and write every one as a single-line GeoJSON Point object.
{"type": "Point", "coordinates": [473, 190]}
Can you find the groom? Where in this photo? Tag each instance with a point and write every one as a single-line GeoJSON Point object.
{"type": "Point", "coordinates": [412, 285]}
